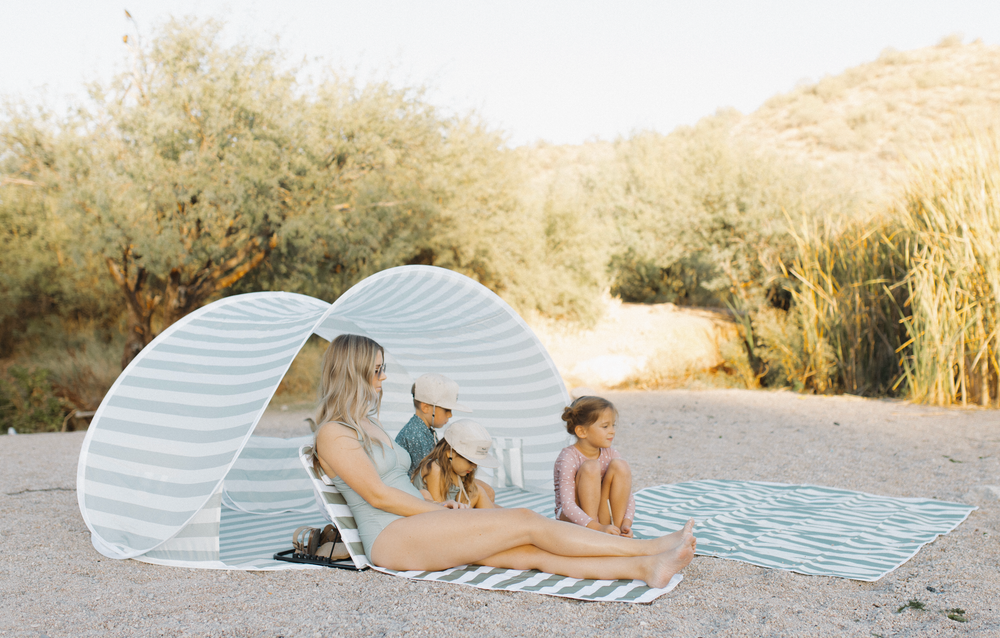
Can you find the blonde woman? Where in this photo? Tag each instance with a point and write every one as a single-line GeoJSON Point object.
{"type": "Point", "coordinates": [401, 530]}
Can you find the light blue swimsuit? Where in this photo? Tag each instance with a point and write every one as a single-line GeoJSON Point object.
{"type": "Point", "coordinates": [391, 463]}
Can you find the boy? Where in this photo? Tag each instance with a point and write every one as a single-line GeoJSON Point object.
{"type": "Point", "coordinates": [434, 398]}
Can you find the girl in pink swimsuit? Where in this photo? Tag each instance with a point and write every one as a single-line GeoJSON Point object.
{"type": "Point", "coordinates": [593, 482]}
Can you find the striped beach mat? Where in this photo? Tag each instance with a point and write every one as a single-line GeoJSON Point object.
{"type": "Point", "coordinates": [336, 511]}
{"type": "Point", "coordinates": [536, 582]}
{"type": "Point", "coordinates": [807, 529]}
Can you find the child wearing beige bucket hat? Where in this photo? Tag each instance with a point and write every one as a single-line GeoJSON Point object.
{"type": "Point", "coordinates": [448, 473]}
{"type": "Point", "coordinates": [435, 396]}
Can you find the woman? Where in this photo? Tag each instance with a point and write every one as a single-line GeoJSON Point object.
{"type": "Point", "coordinates": [402, 531]}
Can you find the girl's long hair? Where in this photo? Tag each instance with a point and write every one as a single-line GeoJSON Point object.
{"type": "Point", "coordinates": [346, 393]}
{"type": "Point", "coordinates": [440, 455]}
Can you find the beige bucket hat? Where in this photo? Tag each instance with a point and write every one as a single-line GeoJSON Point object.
{"type": "Point", "coordinates": [472, 441]}
{"type": "Point", "coordinates": [437, 389]}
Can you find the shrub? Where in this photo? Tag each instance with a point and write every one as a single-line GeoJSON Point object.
{"type": "Point", "coordinates": [28, 402]}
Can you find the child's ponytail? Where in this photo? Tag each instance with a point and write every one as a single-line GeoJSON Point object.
{"type": "Point", "coordinates": [584, 411]}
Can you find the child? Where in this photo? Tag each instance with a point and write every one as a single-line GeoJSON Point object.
{"type": "Point", "coordinates": [448, 473]}
{"type": "Point", "coordinates": [434, 398]}
{"type": "Point", "coordinates": [590, 477]}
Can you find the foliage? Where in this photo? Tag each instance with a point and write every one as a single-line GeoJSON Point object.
{"type": "Point", "coordinates": [952, 211]}
{"type": "Point", "coordinates": [42, 283]}
{"type": "Point", "coordinates": [700, 217]}
{"type": "Point", "coordinates": [27, 401]}
{"type": "Point", "coordinates": [208, 170]}
{"type": "Point", "coordinates": [841, 329]}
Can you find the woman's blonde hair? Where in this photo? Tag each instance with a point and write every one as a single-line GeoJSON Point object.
{"type": "Point", "coordinates": [441, 454]}
{"type": "Point", "coordinates": [346, 393]}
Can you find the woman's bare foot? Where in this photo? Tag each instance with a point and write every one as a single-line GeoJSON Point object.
{"type": "Point", "coordinates": [673, 539]}
{"type": "Point", "coordinates": [662, 567]}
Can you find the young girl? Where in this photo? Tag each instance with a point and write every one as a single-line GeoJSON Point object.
{"type": "Point", "coordinates": [400, 530]}
{"type": "Point", "coordinates": [448, 473]}
{"type": "Point", "coordinates": [593, 483]}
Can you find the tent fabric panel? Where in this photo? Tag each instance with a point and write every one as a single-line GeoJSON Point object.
{"type": "Point", "coordinates": [249, 541]}
{"type": "Point", "coordinates": [267, 477]}
{"type": "Point", "coordinates": [157, 424]}
{"type": "Point", "coordinates": [198, 541]}
{"type": "Point", "coordinates": [434, 320]}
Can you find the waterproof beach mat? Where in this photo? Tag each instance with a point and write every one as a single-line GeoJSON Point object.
{"type": "Point", "coordinates": [807, 529]}
{"type": "Point", "coordinates": [621, 591]}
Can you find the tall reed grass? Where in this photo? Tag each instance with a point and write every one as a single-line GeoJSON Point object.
{"type": "Point", "coordinates": [843, 280]}
{"type": "Point", "coordinates": [951, 211]}
{"type": "Point", "coordinates": [903, 302]}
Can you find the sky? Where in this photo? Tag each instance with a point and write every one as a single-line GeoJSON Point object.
{"type": "Point", "coordinates": [561, 72]}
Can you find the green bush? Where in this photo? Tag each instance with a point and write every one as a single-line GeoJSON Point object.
{"type": "Point", "coordinates": [28, 402]}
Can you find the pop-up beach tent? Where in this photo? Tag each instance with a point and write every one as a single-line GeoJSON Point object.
{"type": "Point", "coordinates": [171, 472]}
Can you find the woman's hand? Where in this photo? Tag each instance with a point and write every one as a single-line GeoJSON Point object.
{"type": "Point", "coordinates": [455, 505]}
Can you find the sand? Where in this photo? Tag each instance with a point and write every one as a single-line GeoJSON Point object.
{"type": "Point", "coordinates": [53, 583]}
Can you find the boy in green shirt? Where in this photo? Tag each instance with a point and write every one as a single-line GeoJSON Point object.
{"type": "Point", "coordinates": [434, 398]}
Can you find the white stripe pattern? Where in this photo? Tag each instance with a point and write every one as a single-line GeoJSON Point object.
{"type": "Point", "coordinates": [800, 528]}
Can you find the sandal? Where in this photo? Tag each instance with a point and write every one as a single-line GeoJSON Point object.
{"type": "Point", "coordinates": [305, 540]}
{"type": "Point", "coordinates": [331, 545]}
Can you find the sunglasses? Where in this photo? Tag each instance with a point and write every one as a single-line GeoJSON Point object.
{"type": "Point", "coordinates": [379, 370]}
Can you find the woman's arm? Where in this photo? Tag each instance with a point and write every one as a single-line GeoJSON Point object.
{"type": "Point", "coordinates": [339, 449]}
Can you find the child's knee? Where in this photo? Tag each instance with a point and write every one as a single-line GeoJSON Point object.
{"type": "Point", "coordinates": [589, 469]}
{"type": "Point", "coordinates": [487, 489]}
{"type": "Point", "coordinates": [619, 467]}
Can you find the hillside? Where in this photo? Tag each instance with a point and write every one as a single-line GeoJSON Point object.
{"type": "Point", "coordinates": [873, 119]}
{"type": "Point", "coordinates": [866, 123]}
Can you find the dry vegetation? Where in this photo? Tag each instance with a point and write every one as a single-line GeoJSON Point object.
{"type": "Point", "coordinates": [845, 227]}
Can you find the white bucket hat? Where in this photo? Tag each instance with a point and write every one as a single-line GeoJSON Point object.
{"type": "Point", "coordinates": [437, 389]}
{"type": "Point", "coordinates": [472, 441]}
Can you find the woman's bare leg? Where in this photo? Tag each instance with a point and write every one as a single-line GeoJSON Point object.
{"type": "Point", "coordinates": [655, 570]}
{"type": "Point", "coordinates": [444, 539]}
{"type": "Point", "coordinates": [617, 488]}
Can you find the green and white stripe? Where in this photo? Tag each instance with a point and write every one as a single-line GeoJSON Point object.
{"type": "Point", "coordinates": [801, 528]}
{"type": "Point", "coordinates": [172, 426]}
{"type": "Point", "coordinates": [434, 320]}
{"type": "Point", "coordinates": [620, 591]}
{"type": "Point", "coordinates": [169, 464]}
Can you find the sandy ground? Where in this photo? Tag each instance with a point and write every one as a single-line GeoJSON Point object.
{"type": "Point", "coordinates": [53, 583]}
{"type": "Point", "coordinates": [636, 340]}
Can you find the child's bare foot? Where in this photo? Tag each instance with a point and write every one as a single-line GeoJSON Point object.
{"type": "Point", "coordinates": [662, 567]}
{"type": "Point", "coordinates": [672, 540]}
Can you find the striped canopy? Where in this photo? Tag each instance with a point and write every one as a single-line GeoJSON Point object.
{"type": "Point", "coordinates": [170, 471]}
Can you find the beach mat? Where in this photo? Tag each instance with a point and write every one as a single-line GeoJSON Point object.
{"type": "Point", "coordinates": [536, 582]}
{"type": "Point", "coordinates": [820, 531]}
